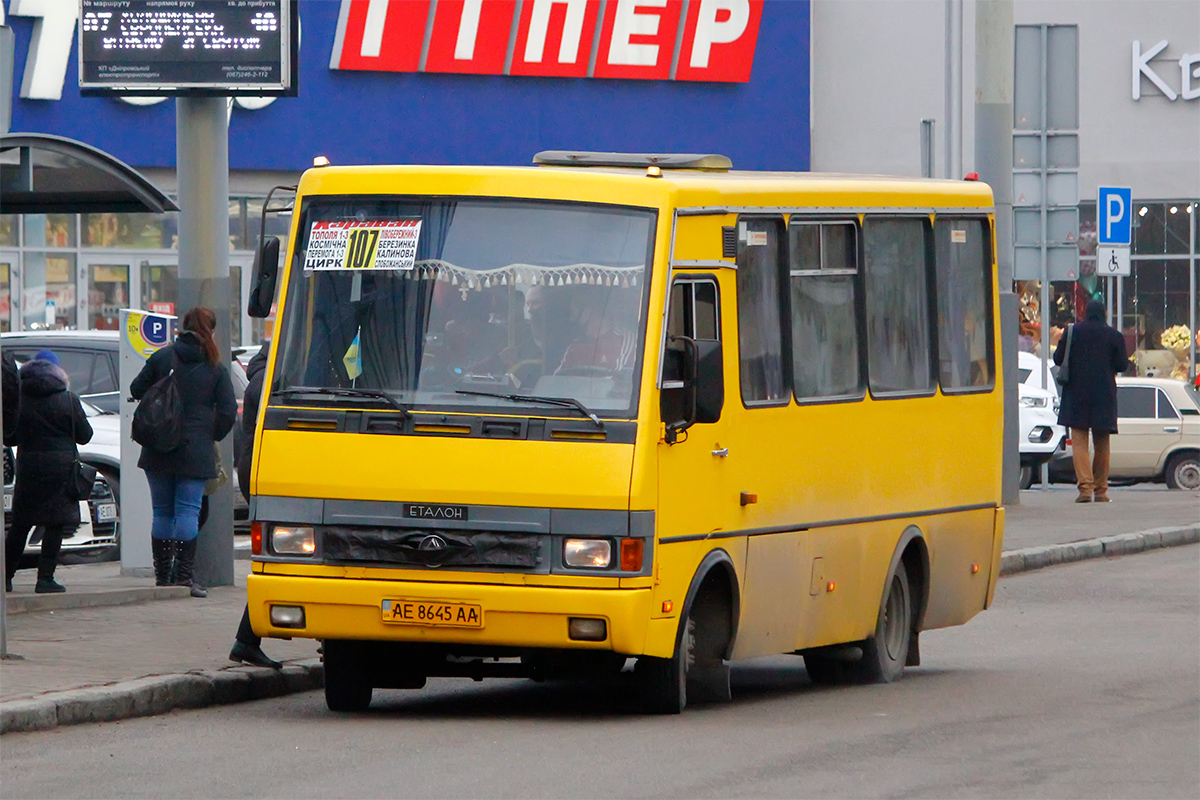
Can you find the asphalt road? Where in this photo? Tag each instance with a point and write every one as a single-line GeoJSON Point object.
{"type": "Point", "coordinates": [1082, 681]}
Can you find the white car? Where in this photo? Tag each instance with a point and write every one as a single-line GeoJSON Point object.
{"type": "Point", "coordinates": [1041, 436]}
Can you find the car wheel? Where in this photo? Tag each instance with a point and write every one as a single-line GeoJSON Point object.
{"type": "Point", "coordinates": [1026, 476]}
{"type": "Point", "coordinates": [1183, 471]}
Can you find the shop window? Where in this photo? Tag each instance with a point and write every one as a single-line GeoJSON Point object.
{"type": "Point", "coordinates": [5, 297]}
{"type": "Point", "coordinates": [897, 305]}
{"type": "Point", "coordinates": [277, 224]}
{"type": "Point", "coordinates": [823, 264]}
{"type": "Point", "coordinates": [108, 293]}
{"type": "Point", "coordinates": [760, 340]}
{"type": "Point", "coordinates": [130, 231]}
{"type": "Point", "coordinates": [8, 230]}
{"type": "Point", "coordinates": [235, 305]}
{"type": "Point", "coordinates": [963, 265]}
{"type": "Point", "coordinates": [1176, 233]}
{"type": "Point", "coordinates": [48, 297]}
{"type": "Point", "coordinates": [237, 224]}
{"type": "Point", "coordinates": [160, 288]}
{"type": "Point", "coordinates": [49, 230]}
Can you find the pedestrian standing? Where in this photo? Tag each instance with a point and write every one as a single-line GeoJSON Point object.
{"type": "Point", "coordinates": [177, 477]}
{"type": "Point", "coordinates": [50, 425]}
{"type": "Point", "coordinates": [1089, 398]}
{"type": "Point", "coordinates": [247, 645]}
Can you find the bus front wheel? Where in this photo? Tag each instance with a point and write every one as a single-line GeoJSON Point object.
{"type": "Point", "coordinates": [663, 681]}
{"type": "Point", "coordinates": [347, 687]}
{"type": "Point", "coordinates": [885, 653]}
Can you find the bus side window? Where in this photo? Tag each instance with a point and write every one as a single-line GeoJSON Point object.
{"type": "Point", "coordinates": [760, 310]}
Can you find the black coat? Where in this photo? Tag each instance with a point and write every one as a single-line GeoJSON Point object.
{"type": "Point", "coordinates": [46, 449]}
{"type": "Point", "coordinates": [256, 372]}
{"type": "Point", "coordinates": [1089, 400]}
{"type": "Point", "coordinates": [209, 408]}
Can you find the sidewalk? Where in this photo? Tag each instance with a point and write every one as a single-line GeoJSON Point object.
{"type": "Point", "coordinates": [104, 651]}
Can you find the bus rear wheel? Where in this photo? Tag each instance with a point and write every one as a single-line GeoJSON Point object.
{"type": "Point", "coordinates": [885, 653]}
{"type": "Point", "coordinates": [347, 687]}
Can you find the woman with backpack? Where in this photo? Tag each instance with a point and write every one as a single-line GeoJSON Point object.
{"type": "Point", "coordinates": [207, 412]}
{"type": "Point", "coordinates": [50, 423]}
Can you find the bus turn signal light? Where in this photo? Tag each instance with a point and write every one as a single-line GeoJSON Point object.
{"type": "Point", "coordinates": [667, 606]}
{"type": "Point", "coordinates": [974, 568]}
{"type": "Point", "coordinates": [256, 538]}
{"type": "Point", "coordinates": [631, 555]}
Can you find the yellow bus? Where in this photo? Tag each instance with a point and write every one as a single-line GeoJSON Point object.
{"type": "Point", "coordinates": [540, 421]}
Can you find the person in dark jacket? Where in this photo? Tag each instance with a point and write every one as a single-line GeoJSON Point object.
{"type": "Point", "coordinates": [177, 477]}
{"type": "Point", "coordinates": [50, 424]}
{"type": "Point", "coordinates": [1089, 399]}
{"type": "Point", "coordinates": [247, 645]}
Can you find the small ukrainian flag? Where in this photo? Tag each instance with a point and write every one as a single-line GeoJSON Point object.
{"type": "Point", "coordinates": [353, 358]}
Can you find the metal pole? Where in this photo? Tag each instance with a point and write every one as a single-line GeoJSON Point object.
{"type": "Point", "coordinates": [927, 158]}
{"type": "Point", "coordinates": [202, 159]}
{"type": "Point", "coordinates": [1194, 208]}
{"type": "Point", "coordinates": [954, 68]}
{"type": "Point", "coordinates": [7, 45]}
{"type": "Point", "coordinates": [994, 42]}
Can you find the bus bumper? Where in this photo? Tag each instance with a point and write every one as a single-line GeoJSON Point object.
{"type": "Point", "coordinates": [513, 616]}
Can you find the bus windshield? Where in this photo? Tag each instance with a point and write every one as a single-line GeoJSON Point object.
{"type": "Point", "coordinates": [435, 302]}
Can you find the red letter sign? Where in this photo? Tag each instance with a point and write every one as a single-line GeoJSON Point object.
{"type": "Point", "coordinates": [718, 40]}
{"type": "Point", "coordinates": [470, 36]}
{"type": "Point", "coordinates": [638, 39]}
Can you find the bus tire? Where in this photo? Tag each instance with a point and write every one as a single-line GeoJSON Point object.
{"type": "Point", "coordinates": [885, 653]}
{"type": "Point", "coordinates": [663, 681]}
{"type": "Point", "coordinates": [347, 687]}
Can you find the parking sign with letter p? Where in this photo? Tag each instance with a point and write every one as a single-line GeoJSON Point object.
{"type": "Point", "coordinates": [1114, 215]}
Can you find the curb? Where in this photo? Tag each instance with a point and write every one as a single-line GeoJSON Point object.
{"type": "Point", "coordinates": [160, 694]}
{"type": "Point", "coordinates": [163, 693]}
{"type": "Point", "coordinates": [20, 603]}
{"type": "Point", "coordinates": [1015, 561]}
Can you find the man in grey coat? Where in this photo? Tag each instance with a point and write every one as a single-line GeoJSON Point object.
{"type": "Point", "coordinates": [1089, 398]}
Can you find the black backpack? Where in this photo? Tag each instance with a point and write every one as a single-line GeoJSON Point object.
{"type": "Point", "coordinates": [158, 419]}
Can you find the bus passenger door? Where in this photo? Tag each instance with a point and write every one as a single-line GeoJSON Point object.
{"type": "Point", "coordinates": [694, 483]}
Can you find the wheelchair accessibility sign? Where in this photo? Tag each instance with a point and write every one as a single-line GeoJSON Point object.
{"type": "Point", "coordinates": [1112, 260]}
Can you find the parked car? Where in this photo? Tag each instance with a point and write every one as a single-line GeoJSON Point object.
{"type": "Point", "coordinates": [1158, 439]}
{"type": "Point", "coordinates": [90, 359]}
{"type": "Point", "coordinates": [1041, 436]}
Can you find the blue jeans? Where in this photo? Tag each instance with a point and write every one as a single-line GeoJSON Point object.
{"type": "Point", "coordinates": [176, 502]}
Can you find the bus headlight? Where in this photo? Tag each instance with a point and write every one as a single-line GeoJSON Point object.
{"type": "Point", "coordinates": [587, 553]}
{"type": "Point", "coordinates": [293, 540]}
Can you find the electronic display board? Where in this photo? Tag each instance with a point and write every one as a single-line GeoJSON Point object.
{"type": "Point", "coordinates": [188, 47]}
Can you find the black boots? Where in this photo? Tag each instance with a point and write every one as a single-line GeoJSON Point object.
{"type": "Point", "coordinates": [163, 551]}
{"type": "Point", "coordinates": [252, 655]}
{"type": "Point", "coordinates": [185, 560]}
{"type": "Point", "coordinates": [45, 579]}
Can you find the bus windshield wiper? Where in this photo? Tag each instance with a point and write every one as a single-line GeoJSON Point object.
{"type": "Point", "coordinates": [565, 402]}
{"type": "Point", "coordinates": [346, 391]}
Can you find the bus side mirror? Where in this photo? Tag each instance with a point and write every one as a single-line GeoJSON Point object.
{"type": "Point", "coordinates": [710, 380]}
{"type": "Point", "coordinates": [693, 384]}
{"type": "Point", "coordinates": [266, 269]}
